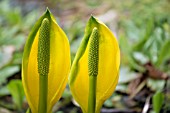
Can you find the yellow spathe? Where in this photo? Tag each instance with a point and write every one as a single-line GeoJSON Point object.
{"type": "Point", "coordinates": [58, 68]}
{"type": "Point", "coordinates": [108, 67]}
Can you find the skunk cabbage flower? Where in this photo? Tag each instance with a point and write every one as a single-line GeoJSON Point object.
{"type": "Point", "coordinates": [47, 56]}
{"type": "Point", "coordinates": [98, 57]}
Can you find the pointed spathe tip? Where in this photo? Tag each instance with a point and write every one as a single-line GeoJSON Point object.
{"type": "Point", "coordinates": [47, 10]}
{"type": "Point", "coordinates": [93, 19]}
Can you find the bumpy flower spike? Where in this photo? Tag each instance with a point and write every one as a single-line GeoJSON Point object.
{"type": "Point", "coordinates": [45, 64]}
{"type": "Point", "coordinates": [104, 55]}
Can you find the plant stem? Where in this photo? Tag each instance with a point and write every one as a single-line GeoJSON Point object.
{"type": "Point", "coordinates": [92, 94]}
{"type": "Point", "coordinates": [43, 90]}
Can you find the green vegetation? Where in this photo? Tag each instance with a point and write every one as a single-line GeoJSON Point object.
{"type": "Point", "coordinates": [143, 31]}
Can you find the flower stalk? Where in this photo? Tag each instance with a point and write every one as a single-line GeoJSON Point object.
{"type": "Point", "coordinates": [43, 89]}
{"type": "Point", "coordinates": [43, 64]}
{"type": "Point", "coordinates": [93, 59]}
{"type": "Point", "coordinates": [92, 94]}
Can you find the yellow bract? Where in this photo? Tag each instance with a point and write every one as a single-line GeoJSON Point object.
{"type": "Point", "coordinates": [108, 66]}
{"type": "Point", "coordinates": [59, 65]}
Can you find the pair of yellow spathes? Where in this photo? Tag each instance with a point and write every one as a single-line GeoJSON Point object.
{"type": "Point", "coordinates": [46, 65]}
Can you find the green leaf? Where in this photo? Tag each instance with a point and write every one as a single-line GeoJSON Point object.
{"type": "Point", "coordinates": [122, 88]}
{"type": "Point", "coordinates": [7, 72]}
{"type": "Point", "coordinates": [16, 89]}
{"type": "Point", "coordinates": [126, 75]}
{"type": "Point", "coordinates": [140, 57]}
{"type": "Point", "coordinates": [108, 103]}
{"type": "Point", "coordinates": [157, 101]}
{"type": "Point", "coordinates": [6, 53]}
{"type": "Point", "coordinates": [149, 30]}
{"type": "Point", "coordinates": [155, 85]}
{"type": "Point", "coordinates": [127, 54]}
{"type": "Point", "coordinates": [163, 54]}
{"type": "Point", "coordinates": [28, 110]}
{"type": "Point", "coordinates": [17, 58]}
{"type": "Point", "coordinates": [4, 91]}
{"type": "Point", "coordinates": [17, 42]}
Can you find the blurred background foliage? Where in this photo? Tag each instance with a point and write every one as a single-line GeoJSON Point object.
{"type": "Point", "coordinates": [142, 28]}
